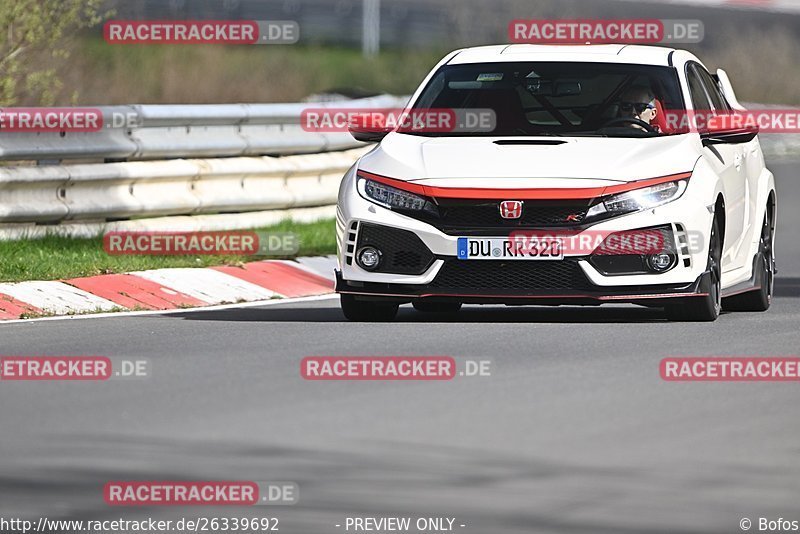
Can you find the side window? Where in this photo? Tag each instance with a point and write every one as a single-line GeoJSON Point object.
{"type": "Point", "coordinates": [699, 98]}
{"type": "Point", "coordinates": [719, 102]}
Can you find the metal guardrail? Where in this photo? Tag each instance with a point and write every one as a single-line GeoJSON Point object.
{"type": "Point", "coordinates": [180, 131]}
{"type": "Point", "coordinates": [205, 161]}
{"type": "Point", "coordinates": [53, 194]}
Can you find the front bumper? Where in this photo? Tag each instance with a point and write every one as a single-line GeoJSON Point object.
{"type": "Point", "coordinates": [647, 295]}
{"type": "Point", "coordinates": [435, 273]}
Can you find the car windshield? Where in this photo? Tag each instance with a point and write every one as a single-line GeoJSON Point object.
{"type": "Point", "coordinates": [557, 98]}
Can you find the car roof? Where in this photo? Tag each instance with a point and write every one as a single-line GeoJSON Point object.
{"type": "Point", "coordinates": [605, 53]}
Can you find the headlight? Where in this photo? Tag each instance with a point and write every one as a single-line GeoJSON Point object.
{"type": "Point", "coordinates": [639, 199]}
{"type": "Point", "coordinates": [391, 197]}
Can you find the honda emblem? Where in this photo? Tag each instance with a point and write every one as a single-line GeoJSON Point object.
{"type": "Point", "coordinates": [511, 209]}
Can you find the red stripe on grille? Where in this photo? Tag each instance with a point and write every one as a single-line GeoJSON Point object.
{"type": "Point", "coordinates": [576, 193]}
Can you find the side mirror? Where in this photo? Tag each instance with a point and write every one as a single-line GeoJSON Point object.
{"type": "Point", "coordinates": [720, 131]}
{"type": "Point", "coordinates": [367, 135]}
{"type": "Point", "coordinates": [371, 126]}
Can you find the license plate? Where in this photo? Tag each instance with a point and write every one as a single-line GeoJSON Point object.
{"type": "Point", "coordinates": [546, 248]}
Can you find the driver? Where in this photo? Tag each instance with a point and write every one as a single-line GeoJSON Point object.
{"type": "Point", "coordinates": [638, 102]}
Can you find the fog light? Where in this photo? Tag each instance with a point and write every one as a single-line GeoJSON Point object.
{"type": "Point", "coordinates": [660, 262]}
{"type": "Point", "coordinates": [369, 258]}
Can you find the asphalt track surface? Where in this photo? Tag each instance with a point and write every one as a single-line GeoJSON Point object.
{"type": "Point", "coordinates": [574, 432]}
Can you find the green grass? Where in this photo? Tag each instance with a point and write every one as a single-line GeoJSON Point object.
{"type": "Point", "coordinates": [55, 258]}
{"type": "Point", "coordinates": [103, 74]}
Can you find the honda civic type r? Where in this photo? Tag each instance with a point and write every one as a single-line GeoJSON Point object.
{"type": "Point", "coordinates": [588, 145]}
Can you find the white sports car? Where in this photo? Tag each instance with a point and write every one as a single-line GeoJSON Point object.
{"type": "Point", "coordinates": [588, 145]}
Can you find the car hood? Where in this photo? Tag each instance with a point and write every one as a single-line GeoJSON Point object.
{"type": "Point", "coordinates": [529, 162]}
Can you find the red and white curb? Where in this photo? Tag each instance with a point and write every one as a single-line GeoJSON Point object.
{"type": "Point", "coordinates": [169, 289]}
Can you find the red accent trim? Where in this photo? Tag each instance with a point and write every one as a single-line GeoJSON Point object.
{"type": "Point", "coordinates": [399, 184]}
{"type": "Point", "coordinates": [566, 193]}
{"type": "Point", "coordinates": [531, 297]}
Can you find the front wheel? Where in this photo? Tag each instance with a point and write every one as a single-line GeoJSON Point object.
{"type": "Point", "coordinates": [706, 308]}
{"type": "Point", "coordinates": [366, 311]}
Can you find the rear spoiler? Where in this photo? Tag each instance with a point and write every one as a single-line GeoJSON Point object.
{"type": "Point", "coordinates": [724, 82]}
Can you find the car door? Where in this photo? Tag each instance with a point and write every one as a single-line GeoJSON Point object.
{"type": "Point", "coordinates": [728, 162]}
{"type": "Point", "coordinates": [748, 155]}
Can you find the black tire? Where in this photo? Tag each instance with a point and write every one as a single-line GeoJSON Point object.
{"type": "Point", "coordinates": [760, 299]}
{"type": "Point", "coordinates": [436, 307]}
{"type": "Point", "coordinates": [366, 311]}
{"type": "Point", "coordinates": [707, 308]}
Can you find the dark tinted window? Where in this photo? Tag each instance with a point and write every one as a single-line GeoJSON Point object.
{"type": "Point", "coordinates": [718, 101]}
{"type": "Point", "coordinates": [699, 98]}
{"type": "Point", "coordinates": [547, 98]}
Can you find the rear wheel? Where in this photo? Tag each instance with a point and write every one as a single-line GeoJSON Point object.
{"type": "Point", "coordinates": [436, 307]}
{"type": "Point", "coordinates": [706, 308]}
{"type": "Point", "coordinates": [760, 299]}
{"type": "Point", "coordinates": [366, 311]}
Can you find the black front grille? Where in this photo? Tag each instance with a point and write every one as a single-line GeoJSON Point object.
{"type": "Point", "coordinates": [489, 215]}
{"type": "Point", "coordinates": [402, 251]}
{"type": "Point", "coordinates": [466, 275]}
{"type": "Point", "coordinates": [454, 217]}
